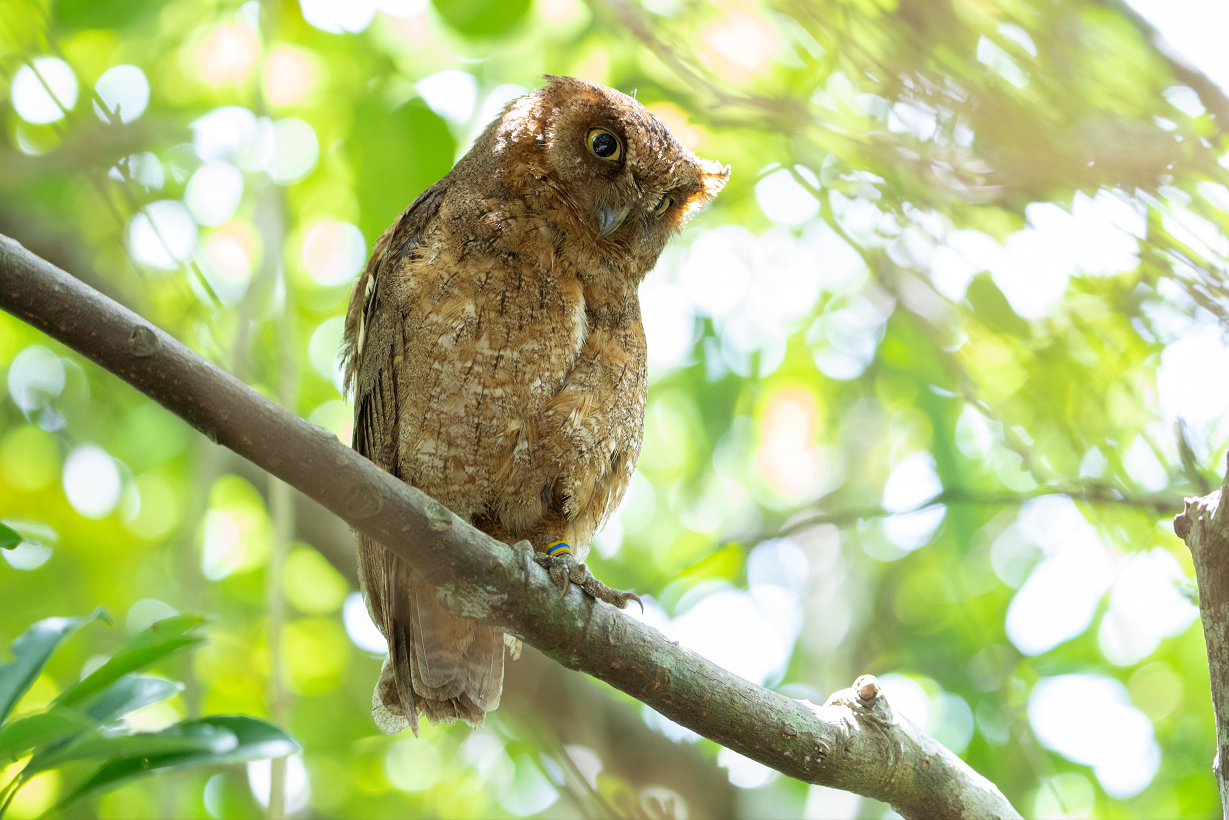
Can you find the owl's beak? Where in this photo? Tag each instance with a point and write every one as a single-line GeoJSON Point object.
{"type": "Point", "coordinates": [609, 219]}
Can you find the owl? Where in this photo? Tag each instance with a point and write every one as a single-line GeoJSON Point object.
{"type": "Point", "coordinates": [495, 351]}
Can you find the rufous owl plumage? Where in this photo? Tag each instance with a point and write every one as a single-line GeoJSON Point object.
{"type": "Point", "coordinates": [496, 354]}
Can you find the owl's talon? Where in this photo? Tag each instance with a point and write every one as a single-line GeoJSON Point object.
{"type": "Point", "coordinates": [526, 550]}
{"type": "Point", "coordinates": [562, 567]}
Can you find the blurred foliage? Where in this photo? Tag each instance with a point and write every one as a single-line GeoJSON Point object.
{"type": "Point", "coordinates": [962, 286]}
{"type": "Point", "coordinates": [112, 716]}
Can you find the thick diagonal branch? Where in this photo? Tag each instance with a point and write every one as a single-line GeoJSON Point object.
{"type": "Point", "coordinates": [1204, 526]}
{"type": "Point", "coordinates": [854, 742]}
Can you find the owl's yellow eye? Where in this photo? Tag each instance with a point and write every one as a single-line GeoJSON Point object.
{"type": "Point", "coordinates": [604, 144]}
{"type": "Point", "coordinates": [662, 206]}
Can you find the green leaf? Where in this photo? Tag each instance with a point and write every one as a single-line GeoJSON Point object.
{"type": "Point", "coordinates": [481, 18]}
{"type": "Point", "coordinates": [92, 14]}
{"type": "Point", "coordinates": [991, 307]}
{"type": "Point", "coordinates": [156, 642]}
{"type": "Point", "coordinates": [188, 738]}
{"type": "Point", "coordinates": [130, 693]}
{"type": "Point", "coordinates": [23, 24]}
{"type": "Point", "coordinates": [20, 736]}
{"type": "Point", "coordinates": [398, 154]}
{"type": "Point", "coordinates": [9, 539]}
{"type": "Point", "coordinates": [30, 654]}
{"type": "Point", "coordinates": [126, 695]}
{"type": "Point", "coordinates": [257, 740]}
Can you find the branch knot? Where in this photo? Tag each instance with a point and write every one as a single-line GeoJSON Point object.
{"type": "Point", "coordinates": [142, 342]}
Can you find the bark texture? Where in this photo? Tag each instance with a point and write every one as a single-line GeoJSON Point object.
{"type": "Point", "coordinates": [1204, 526]}
{"type": "Point", "coordinates": [853, 742]}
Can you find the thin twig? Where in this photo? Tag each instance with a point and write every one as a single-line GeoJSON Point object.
{"type": "Point", "coordinates": [1099, 494]}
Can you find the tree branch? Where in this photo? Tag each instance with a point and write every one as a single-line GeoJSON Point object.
{"type": "Point", "coordinates": [854, 742]}
{"type": "Point", "coordinates": [1092, 493]}
{"type": "Point", "coordinates": [541, 691]}
{"type": "Point", "coordinates": [1204, 526]}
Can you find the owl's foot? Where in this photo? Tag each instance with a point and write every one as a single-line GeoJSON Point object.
{"type": "Point", "coordinates": [563, 569]}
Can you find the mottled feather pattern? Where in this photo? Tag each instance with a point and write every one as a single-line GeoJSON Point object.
{"type": "Point", "coordinates": [496, 354]}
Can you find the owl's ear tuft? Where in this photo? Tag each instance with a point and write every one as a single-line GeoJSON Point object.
{"type": "Point", "coordinates": [713, 176]}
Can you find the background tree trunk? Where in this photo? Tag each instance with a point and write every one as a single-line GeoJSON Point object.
{"type": "Point", "coordinates": [1204, 526]}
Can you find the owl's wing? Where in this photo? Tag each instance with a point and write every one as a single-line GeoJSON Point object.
{"type": "Point", "coordinates": [400, 241]}
{"type": "Point", "coordinates": [442, 665]}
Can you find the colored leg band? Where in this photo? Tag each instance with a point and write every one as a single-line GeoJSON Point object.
{"type": "Point", "coordinates": [558, 548]}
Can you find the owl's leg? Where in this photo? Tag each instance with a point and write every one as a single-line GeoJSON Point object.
{"type": "Point", "coordinates": [563, 568]}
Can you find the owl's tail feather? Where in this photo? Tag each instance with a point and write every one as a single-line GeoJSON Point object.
{"type": "Point", "coordinates": [439, 665]}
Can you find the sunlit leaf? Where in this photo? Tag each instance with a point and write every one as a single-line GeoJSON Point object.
{"type": "Point", "coordinates": [991, 307]}
{"type": "Point", "coordinates": [188, 738]}
{"type": "Point", "coordinates": [19, 736]}
{"type": "Point", "coordinates": [23, 25]}
{"type": "Point", "coordinates": [130, 693]}
{"type": "Point", "coordinates": [92, 14]}
{"type": "Point", "coordinates": [481, 18]}
{"type": "Point", "coordinates": [399, 154]}
{"type": "Point", "coordinates": [156, 642]}
{"type": "Point", "coordinates": [255, 740]}
{"type": "Point", "coordinates": [30, 654]}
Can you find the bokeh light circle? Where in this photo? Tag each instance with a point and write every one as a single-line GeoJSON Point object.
{"type": "Point", "coordinates": [214, 193]}
{"type": "Point", "coordinates": [124, 91]}
{"type": "Point", "coordinates": [91, 481]}
{"type": "Point", "coordinates": [333, 252]}
{"type": "Point", "coordinates": [41, 101]}
{"type": "Point", "coordinates": [295, 151]}
{"type": "Point", "coordinates": [36, 376]}
{"type": "Point", "coordinates": [163, 235]}
{"type": "Point", "coordinates": [784, 200]}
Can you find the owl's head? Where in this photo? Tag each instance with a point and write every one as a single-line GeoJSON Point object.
{"type": "Point", "coordinates": [621, 172]}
